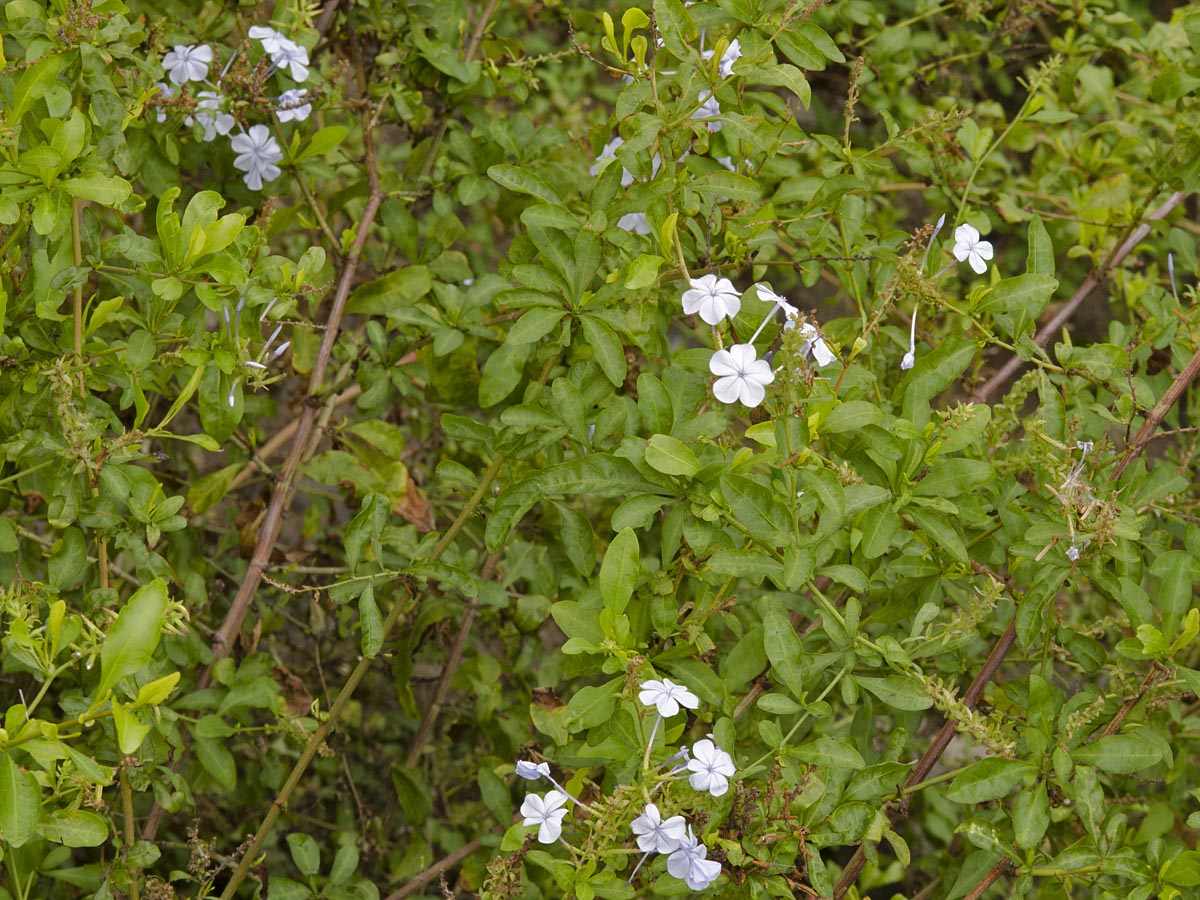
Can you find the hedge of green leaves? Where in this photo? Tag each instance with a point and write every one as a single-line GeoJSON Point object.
{"type": "Point", "coordinates": [769, 421]}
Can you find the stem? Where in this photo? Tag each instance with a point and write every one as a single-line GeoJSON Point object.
{"type": "Point", "coordinates": [435, 870]}
{"type": "Point", "coordinates": [803, 718]}
{"type": "Point", "coordinates": [77, 305]}
{"type": "Point", "coordinates": [310, 750]}
{"type": "Point", "coordinates": [130, 835]}
{"type": "Point", "coordinates": [650, 742]}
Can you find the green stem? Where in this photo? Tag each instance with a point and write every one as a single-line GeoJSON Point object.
{"type": "Point", "coordinates": [800, 721]}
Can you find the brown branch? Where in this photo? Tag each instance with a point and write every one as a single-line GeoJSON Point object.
{"type": "Point", "coordinates": [1158, 413]}
{"type": "Point", "coordinates": [997, 871]}
{"type": "Point", "coordinates": [936, 749]}
{"type": "Point", "coordinates": [222, 641]}
{"type": "Point", "coordinates": [1090, 283]}
{"type": "Point", "coordinates": [435, 870]}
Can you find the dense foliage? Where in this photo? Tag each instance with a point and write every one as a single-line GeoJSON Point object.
{"type": "Point", "coordinates": [393, 392]}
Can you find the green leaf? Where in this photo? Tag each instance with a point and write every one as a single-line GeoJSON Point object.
{"type": "Point", "coordinates": [728, 185]}
{"type": "Point", "coordinates": [593, 705]}
{"type": "Point", "coordinates": [751, 563]}
{"type": "Point", "coordinates": [217, 761]}
{"type": "Point", "coordinates": [131, 730]}
{"type": "Point", "coordinates": [1031, 816]}
{"type": "Point", "coordinates": [989, 779]}
{"type": "Point", "coordinates": [156, 691]}
{"type": "Point", "coordinates": [305, 854]}
{"type": "Point", "coordinates": [502, 372]}
{"type": "Point", "coordinates": [951, 477]}
{"type": "Point", "coordinates": [643, 271]}
{"type": "Point", "coordinates": [534, 325]}
{"type": "Point", "coordinates": [671, 457]}
{"type": "Point", "coordinates": [834, 753]}
{"type": "Point", "coordinates": [371, 623]}
{"type": "Point", "coordinates": [323, 141]}
{"type": "Point", "coordinates": [620, 570]}
{"type": "Point", "coordinates": [20, 802]}
{"type": "Point", "coordinates": [1183, 870]}
{"type": "Point", "coordinates": [523, 181]}
{"type": "Point", "coordinates": [1015, 303]}
{"type": "Point", "coordinates": [33, 85]}
{"type": "Point", "coordinates": [853, 415]}
{"type": "Point", "coordinates": [940, 531]}
{"type": "Point", "coordinates": [133, 638]}
{"type": "Point", "coordinates": [896, 691]}
{"type": "Point", "coordinates": [606, 346]}
{"type": "Point", "coordinates": [74, 828]}
{"type": "Point", "coordinates": [783, 75]}
{"type": "Point", "coordinates": [103, 189]}
{"type": "Point", "coordinates": [391, 294]}
{"type": "Point", "coordinates": [1120, 754]}
{"type": "Point", "coordinates": [676, 26]}
{"type": "Point", "coordinates": [1039, 258]}
{"type": "Point", "coordinates": [784, 651]}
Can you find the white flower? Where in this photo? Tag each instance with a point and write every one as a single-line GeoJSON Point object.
{"type": "Point", "coordinates": [166, 92]}
{"type": "Point", "coordinates": [690, 862]}
{"type": "Point", "coordinates": [258, 153]}
{"type": "Point", "coordinates": [222, 123]}
{"type": "Point", "coordinates": [546, 813]}
{"type": "Point", "coordinates": [714, 298]}
{"type": "Point", "coordinates": [741, 375]}
{"type": "Point", "coordinates": [909, 360]}
{"type": "Point", "coordinates": [667, 696]}
{"type": "Point", "coordinates": [289, 54]}
{"type": "Point", "coordinates": [767, 295]}
{"type": "Point", "coordinates": [1072, 554]}
{"type": "Point", "coordinates": [269, 37]}
{"type": "Point", "coordinates": [635, 222]}
{"type": "Point", "coordinates": [654, 834]}
{"type": "Point", "coordinates": [190, 63]}
{"type": "Point", "coordinates": [968, 246]}
{"type": "Point", "coordinates": [532, 771]}
{"type": "Point", "coordinates": [292, 106]}
{"type": "Point", "coordinates": [711, 768]}
{"type": "Point", "coordinates": [709, 109]}
{"type": "Point", "coordinates": [731, 55]}
{"type": "Point", "coordinates": [814, 344]}
{"type": "Point", "coordinates": [727, 162]}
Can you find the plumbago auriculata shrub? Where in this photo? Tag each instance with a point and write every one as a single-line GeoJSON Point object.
{"type": "Point", "coordinates": [769, 423]}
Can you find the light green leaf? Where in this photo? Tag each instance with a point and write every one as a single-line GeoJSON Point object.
{"type": "Point", "coordinates": [1120, 754]}
{"type": "Point", "coordinates": [74, 828]}
{"type": "Point", "coordinates": [989, 779]}
{"type": "Point", "coordinates": [671, 457]}
{"type": "Point", "coordinates": [20, 802]}
{"type": "Point", "coordinates": [523, 181]}
{"type": "Point", "coordinates": [834, 753]}
{"type": "Point", "coordinates": [619, 571]}
{"type": "Point", "coordinates": [133, 638]}
{"type": "Point", "coordinates": [785, 652]}
{"type": "Point", "coordinates": [896, 691]}
{"type": "Point", "coordinates": [606, 346]}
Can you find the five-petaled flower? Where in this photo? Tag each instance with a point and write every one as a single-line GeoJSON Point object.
{"type": "Point", "coordinates": [713, 298]}
{"type": "Point", "coordinates": [814, 344]}
{"type": "Point", "coordinates": [208, 102]}
{"type": "Point", "coordinates": [532, 771]}
{"type": "Point", "coordinates": [968, 246]}
{"type": "Point", "coordinates": [289, 55]}
{"type": "Point", "coordinates": [667, 696]}
{"type": "Point", "coordinates": [711, 768]}
{"type": "Point", "coordinates": [656, 834]}
{"type": "Point", "coordinates": [257, 154]}
{"type": "Point", "coordinates": [188, 63]}
{"type": "Point", "coordinates": [546, 813]}
{"type": "Point", "coordinates": [742, 376]}
{"type": "Point", "coordinates": [293, 107]}
{"type": "Point", "coordinates": [269, 37]}
{"type": "Point", "coordinates": [690, 862]}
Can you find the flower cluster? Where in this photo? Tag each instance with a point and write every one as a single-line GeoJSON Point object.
{"type": "Point", "coordinates": [257, 151]}
{"type": "Point", "coordinates": [741, 376]}
{"type": "Point", "coordinates": [252, 370]}
{"type": "Point", "coordinates": [706, 767]}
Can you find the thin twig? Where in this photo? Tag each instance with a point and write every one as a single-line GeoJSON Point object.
{"type": "Point", "coordinates": [436, 869]}
{"type": "Point", "coordinates": [999, 869]}
{"type": "Point", "coordinates": [281, 497]}
{"type": "Point", "coordinates": [1090, 283]}
{"type": "Point", "coordinates": [1155, 416]}
{"type": "Point", "coordinates": [936, 749]}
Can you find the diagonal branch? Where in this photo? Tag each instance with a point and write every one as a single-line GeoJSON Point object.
{"type": "Point", "coordinates": [1093, 281]}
